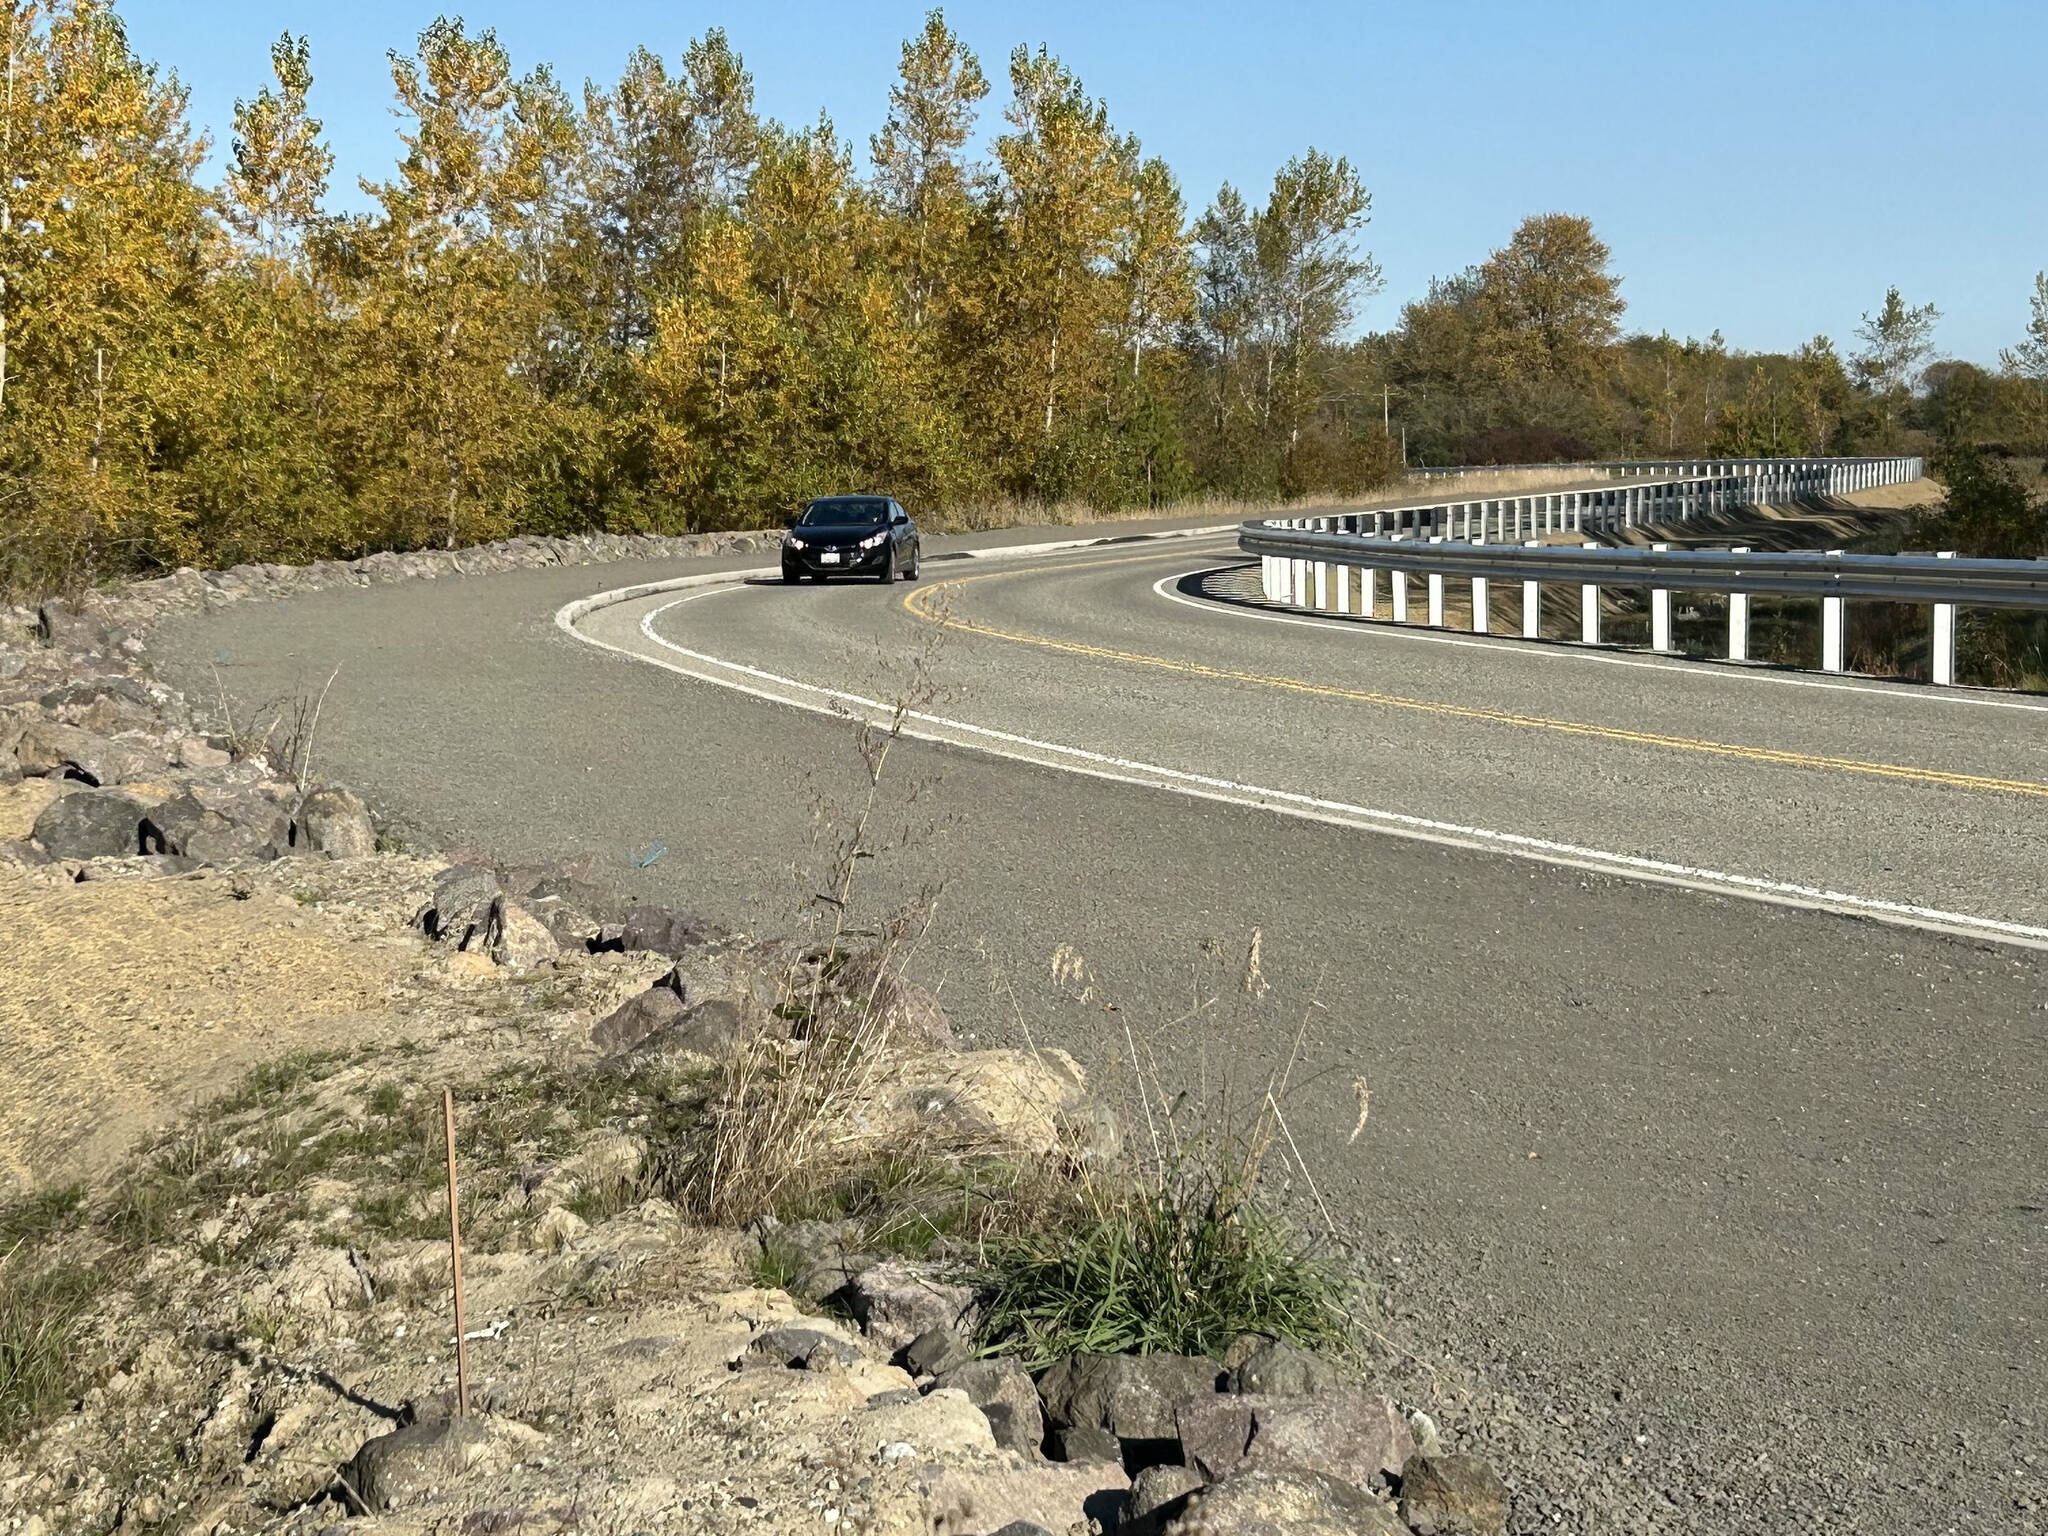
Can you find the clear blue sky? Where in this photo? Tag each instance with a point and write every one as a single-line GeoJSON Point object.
{"type": "Point", "coordinates": [1767, 169]}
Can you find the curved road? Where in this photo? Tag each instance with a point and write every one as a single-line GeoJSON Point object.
{"type": "Point", "coordinates": [1745, 1192]}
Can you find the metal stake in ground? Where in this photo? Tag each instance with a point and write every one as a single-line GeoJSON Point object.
{"type": "Point", "coordinates": [455, 1255]}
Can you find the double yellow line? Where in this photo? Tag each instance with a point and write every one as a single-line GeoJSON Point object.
{"type": "Point", "coordinates": [923, 601]}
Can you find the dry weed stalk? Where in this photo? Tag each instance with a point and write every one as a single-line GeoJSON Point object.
{"type": "Point", "coordinates": [793, 1112]}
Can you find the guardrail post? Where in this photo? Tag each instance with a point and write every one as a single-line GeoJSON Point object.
{"type": "Point", "coordinates": [1436, 595]}
{"type": "Point", "coordinates": [1738, 618]}
{"type": "Point", "coordinates": [1532, 602]}
{"type": "Point", "coordinates": [1368, 591]}
{"type": "Point", "coordinates": [1319, 584]}
{"type": "Point", "coordinates": [1660, 611]}
{"type": "Point", "coordinates": [1343, 588]}
{"type": "Point", "coordinates": [1945, 635]}
{"type": "Point", "coordinates": [1297, 582]}
{"type": "Point", "coordinates": [1833, 639]}
{"type": "Point", "coordinates": [1481, 613]}
{"type": "Point", "coordinates": [1400, 597]}
{"type": "Point", "coordinates": [1589, 609]}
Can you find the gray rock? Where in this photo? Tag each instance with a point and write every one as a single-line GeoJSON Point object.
{"type": "Point", "coordinates": [1358, 1436]}
{"type": "Point", "coordinates": [68, 629]}
{"type": "Point", "coordinates": [829, 1274]}
{"type": "Point", "coordinates": [931, 1353]}
{"type": "Point", "coordinates": [1350, 1434]}
{"type": "Point", "coordinates": [709, 1029]}
{"type": "Point", "coordinates": [1006, 1398]}
{"type": "Point", "coordinates": [1283, 1501]}
{"type": "Point", "coordinates": [48, 749]}
{"type": "Point", "coordinates": [664, 931]}
{"type": "Point", "coordinates": [637, 1019]}
{"type": "Point", "coordinates": [1281, 1369]}
{"type": "Point", "coordinates": [1452, 1496]}
{"type": "Point", "coordinates": [898, 1299]}
{"type": "Point", "coordinates": [12, 723]}
{"type": "Point", "coordinates": [104, 704]}
{"type": "Point", "coordinates": [807, 1349]}
{"type": "Point", "coordinates": [1158, 1494]}
{"type": "Point", "coordinates": [1131, 1396]}
{"type": "Point", "coordinates": [1022, 1528]}
{"type": "Point", "coordinates": [92, 824]}
{"type": "Point", "coordinates": [23, 853]}
{"type": "Point", "coordinates": [219, 824]}
{"type": "Point", "coordinates": [201, 755]}
{"type": "Point", "coordinates": [1086, 1442]}
{"type": "Point", "coordinates": [1243, 1347]}
{"type": "Point", "coordinates": [519, 941]}
{"type": "Point", "coordinates": [1214, 1432]}
{"type": "Point", "coordinates": [334, 822]}
{"type": "Point", "coordinates": [464, 898]}
{"type": "Point", "coordinates": [874, 996]}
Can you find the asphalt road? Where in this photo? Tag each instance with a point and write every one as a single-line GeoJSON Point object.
{"type": "Point", "coordinates": [1748, 1194]}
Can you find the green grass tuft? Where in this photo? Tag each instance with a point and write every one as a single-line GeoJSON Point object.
{"type": "Point", "coordinates": [1182, 1268]}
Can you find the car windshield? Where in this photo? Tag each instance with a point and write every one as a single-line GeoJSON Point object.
{"type": "Point", "coordinates": [852, 512]}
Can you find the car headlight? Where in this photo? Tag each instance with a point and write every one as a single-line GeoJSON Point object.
{"type": "Point", "coordinates": [874, 540]}
{"type": "Point", "coordinates": [794, 542]}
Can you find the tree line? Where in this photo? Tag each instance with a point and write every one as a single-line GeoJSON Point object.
{"type": "Point", "coordinates": [643, 306]}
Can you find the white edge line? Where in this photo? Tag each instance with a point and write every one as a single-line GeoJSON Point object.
{"type": "Point", "coordinates": [1281, 802]}
{"type": "Point", "coordinates": [1508, 645]}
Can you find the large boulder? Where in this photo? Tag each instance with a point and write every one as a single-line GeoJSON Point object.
{"type": "Point", "coordinates": [1360, 1437]}
{"type": "Point", "coordinates": [1452, 1496]}
{"type": "Point", "coordinates": [51, 749]}
{"type": "Point", "coordinates": [92, 824]}
{"type": "Point", "coordinates": [1006, 1397]}
{"type": "Point", "coordinates": [219, 824]}
{"type": "Point", "coordinates": [1284, 1501]}
{"type": "Point", "coordinates": [1131, 1396]}
{"type": "Point", "coordinates": [334, 822]}
{"type": "Point", "coordinates": [897, 1300]}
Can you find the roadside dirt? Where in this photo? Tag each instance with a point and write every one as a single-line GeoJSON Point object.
{"type": "Point", "coordinates": [124, 1002]}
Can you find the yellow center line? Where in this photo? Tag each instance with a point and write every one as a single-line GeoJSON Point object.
{"type": "Point", "coordinates": [920, 603]}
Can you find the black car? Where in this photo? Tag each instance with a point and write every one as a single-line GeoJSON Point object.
{"type": "Point", "coordinates": [851, 536]}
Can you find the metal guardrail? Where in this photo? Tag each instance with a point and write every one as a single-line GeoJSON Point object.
{"type": "Point", "coordinates": [1331, 563]}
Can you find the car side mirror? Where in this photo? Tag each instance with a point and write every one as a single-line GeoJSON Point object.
{"type": "Point", "coordinates": [900, 518]}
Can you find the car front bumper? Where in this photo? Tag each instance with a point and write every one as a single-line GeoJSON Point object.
{"type": "Point", "coordinates": [811, 560]}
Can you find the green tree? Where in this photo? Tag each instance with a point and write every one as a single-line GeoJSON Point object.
{"type": "Point", "coordinates": [1551, 304]}
{"type": "Point", "coordinates": [919, 170]}
{"type": "Point", "coordinates": [1897, 341]}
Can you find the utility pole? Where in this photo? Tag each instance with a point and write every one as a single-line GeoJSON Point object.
{"type": "Point", "coordinates": [1387, 409]}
